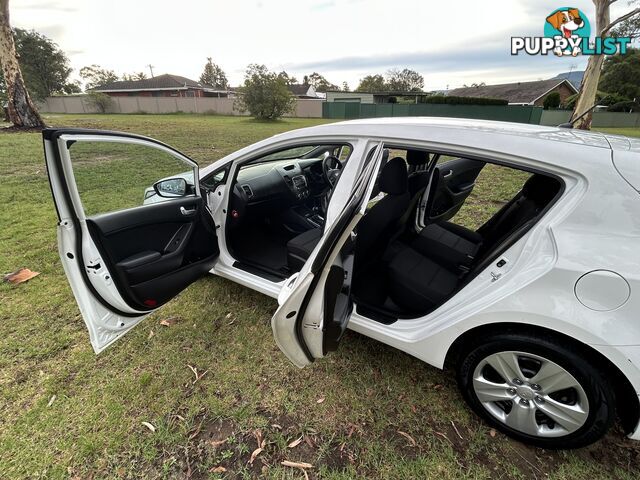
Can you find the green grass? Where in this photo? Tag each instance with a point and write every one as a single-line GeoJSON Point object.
{"type": "Point", "coordinates": [94, 427]}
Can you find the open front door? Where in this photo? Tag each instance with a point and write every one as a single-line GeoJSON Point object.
{"type": "Point", "coordinates": [133, 230]}
{"type": "Point", "coordinates": [316, 304]}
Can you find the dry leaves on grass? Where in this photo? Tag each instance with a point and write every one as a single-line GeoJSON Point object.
{"type": "Point", "coordinates": [196, 373]}
{"type": "Point", "coordinates": [296, 442]}
{"type": "Point", "coordinates": [149, 426]}
{"type": "Point", "coordinates": [320, 400]}
{"type": "Point", "coordinates": [218, 469]}
{"type": "Point", "coordinates": [20, 276]}
{"type": "Point", "coordinates": [168, 322]}
{"type": "Point", "coordinates": [261, 444]}
{"type": "Point", "coordinates": [301, 465]}
{"type": "Point", "coordinates": [408, 437]}
{"type": "Point", "coordinates": [51, 400]}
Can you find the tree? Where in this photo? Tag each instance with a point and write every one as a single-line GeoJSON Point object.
{"type": "Point", "coordinates": [621, 75]}
{"type": "Point", "coordinates": [96, 76]}
{"type": "Point", "coordinates": [288, 79]}
{"type": "Point", "coordinates": [100, 101]}
{"type": "Point", "coordinates": [134, 76]}
{"type": "Point", "coordinates": [264, 94]}
{"type": "Point", "coordinates": [345, 87]}
{"type": "Point", "coordinates": [372, 83]}
{"type": "Point", "coordinates": [44, 66]}
{"type": "Point", "coordinates": [214, 75]}
{"type": "Point", "coordinates": [22, 111]}
{"type": "Point", "coordinates": [591, 78]}
{"type": "Point", "coordinates": [551, 101]}
{"type": "Point", "coordinates": [319, 83]}
{"type": "Point", "coordinates": [404, 80]}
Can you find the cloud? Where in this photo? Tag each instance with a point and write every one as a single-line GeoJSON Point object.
{"type": "Point", "coordinates": [59, 6]}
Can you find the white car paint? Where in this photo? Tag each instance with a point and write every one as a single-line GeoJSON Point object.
{"type": "Point", "coordinates": [595, 226]}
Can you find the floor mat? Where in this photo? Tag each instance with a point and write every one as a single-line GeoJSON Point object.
{"type": "Point", "coordinates": [262, 247]}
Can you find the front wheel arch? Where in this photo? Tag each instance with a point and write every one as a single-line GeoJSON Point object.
{"type": "Point", "coordinates": [627, 402]}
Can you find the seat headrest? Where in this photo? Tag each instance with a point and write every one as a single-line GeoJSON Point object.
{"type": "Point", "coordinates": [417, 157]}
{"type": "Point", "coordinates": [540, 189]}
{"type": "Point", "coordinates": [393, 179]}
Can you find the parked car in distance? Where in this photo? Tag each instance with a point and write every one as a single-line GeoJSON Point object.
{"type": "Point", "coordinates": [355, 224]}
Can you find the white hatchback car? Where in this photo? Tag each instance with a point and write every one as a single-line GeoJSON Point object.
{"type": "Point", "coordinates": [537, 310]}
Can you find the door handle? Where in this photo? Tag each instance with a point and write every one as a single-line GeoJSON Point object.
{"type": "Point", "coordinates": [448, 174]}
{"type": "Point", "coordinates": [186, 212]}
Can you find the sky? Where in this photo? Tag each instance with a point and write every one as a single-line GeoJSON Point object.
{"type": "Point", "coordinates": [450, 44]}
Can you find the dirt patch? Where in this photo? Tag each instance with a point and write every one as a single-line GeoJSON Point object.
{"type": "Point", "coordinates": [14, 129]}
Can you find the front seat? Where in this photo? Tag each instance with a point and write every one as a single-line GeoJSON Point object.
{"type": "Point", "coordinates": [299, 248]}
{"type": "Point", "coordinates": [379, 225]}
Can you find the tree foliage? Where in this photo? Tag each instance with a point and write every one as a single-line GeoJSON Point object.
{"type": "Point", "coordinates": [134, 76]}
{"type": "Point", "coordinates": [454, 100]}
{"type": "Point", "coordinates": [288, 79]}
{"type": "Point", "coordinates": [404, 80]}
{"type": "Point", "coordinates": [44, 66]}
{"type": "Point", "coordinates": [372, 83]}
{"type": "Point", "coordinates": [395, 80]}
{"type": "Point", "coordinates": [264, 94]}
{"type": "Point", "coordinates": [551, 101]}
{"type": "Point", "coordinates": [96, 76]}
{"type": "Point", "coordinates": [621, 75]}
{"type": "Point", "coordinates": [100, 101]}
{"type": "Point", "coordinates": [214, 75]}
{"type": "Point", "coordinates": [319, 83]}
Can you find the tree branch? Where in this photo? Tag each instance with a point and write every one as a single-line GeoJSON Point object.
{"type": "Point", "coordinates": [618, 20]}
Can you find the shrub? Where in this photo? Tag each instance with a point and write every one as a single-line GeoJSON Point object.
{"type": "Point", "coordinates": [265, 94]}
{"type": "Point", "coordinates": [102, 102]}
{"type": "Point", "coordinates": [627, 106]}
{"type": "Point", "coordinates": [551, 101]}
{"type": "Point", "coordinates": [453, 100]}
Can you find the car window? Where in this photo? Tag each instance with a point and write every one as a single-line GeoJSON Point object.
{"type": "Point", "coordinates": [112, 176]}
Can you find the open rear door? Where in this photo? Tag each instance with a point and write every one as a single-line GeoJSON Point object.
{"type": "Point", "coordinates": [316, 304]}
{"type": "Point", "coordinates": [126, 248]}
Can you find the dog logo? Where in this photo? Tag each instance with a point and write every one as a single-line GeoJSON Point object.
{"type": "Point", "coordinates": [567, 32]}
{"type": "Point", "coordinates": [570, 24]}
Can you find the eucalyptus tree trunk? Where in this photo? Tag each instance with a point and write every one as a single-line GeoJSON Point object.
{"type": "Point", "coordinates": [22, 111]}
{"type": "Point", "coordinates": [589, 87]}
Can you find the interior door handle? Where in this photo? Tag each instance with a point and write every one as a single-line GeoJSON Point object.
{"type": "Point", "coordinates": [186, 212]}
{"type": "Point", "coordinates": [448, 174]}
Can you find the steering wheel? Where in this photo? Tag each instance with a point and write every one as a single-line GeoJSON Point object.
{"type": "Point", "coordinates": [331, 168]}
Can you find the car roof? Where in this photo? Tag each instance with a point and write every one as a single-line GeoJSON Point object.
{"type": "Point", "coordinates": [416, 127]}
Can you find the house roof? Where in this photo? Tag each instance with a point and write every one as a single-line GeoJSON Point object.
{"type": "Point", "coordinates": [521, 92]}
{"type": "Point", "coordinates": [299, 88]}
{"type": "Point", "coordinates": [161, 82]}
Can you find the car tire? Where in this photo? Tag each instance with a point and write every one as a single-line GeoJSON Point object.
{"type": "Point", "coordinates": [556, 400]}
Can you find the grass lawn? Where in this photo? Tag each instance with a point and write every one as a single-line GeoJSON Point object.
{"type": "Point", "coordinates": [368, 411]}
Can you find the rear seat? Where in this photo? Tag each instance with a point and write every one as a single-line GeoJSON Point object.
{"type": "Point", "coordinates": [427, 271]}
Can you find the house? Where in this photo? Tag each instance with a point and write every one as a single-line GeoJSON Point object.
{"type": "Point", "coordinates": [301, 90]}
{"type": "Point", "coordinates": [520, 93]}
{"type": "Point", "coordinates": [166, 85]}
{"type": "Point", "coordinates": [374, 97]}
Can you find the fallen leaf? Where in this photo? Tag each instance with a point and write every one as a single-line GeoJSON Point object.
{"type": "Point", "coordinates": [19, 276]}
{"type": "Point", "coordinates": [218, 469]}
{"type": "Point", "coordinates": [295, 443]}
{"type": "Point", "coordinates": [276, 426]}
{"type": "Point", "coordinates": [149, 426]}
{"type": "Point", "coordinates": [151, 334]}
{"type": "Point", "coordinates": [302, 465]}
{"type": "Point", "coordinates": [320, 400]}
{"type": "Point", "coordinates": [228, 315]}
{"type": "Point", "coordinates": [408, 437]}
{"type": "Point", "coordinates": [255, 453]}
{"type": "Point", "coordinates": [168, 322]}
{"type": "Point", "coordinates": [492, 432]}
{"type": "Point", "coordinates": [217, 443]}
{"type": "Point", "coordinates": [51, 400]}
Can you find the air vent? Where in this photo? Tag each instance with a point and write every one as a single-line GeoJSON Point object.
{"type": "Point", "coordinates": [247, 190]}
{"type": "Point", "coordinates": [289, 167]}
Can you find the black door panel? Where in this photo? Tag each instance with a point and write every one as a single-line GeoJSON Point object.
{"type": "Point", "coordinates": [452, 183]}
{"type": "Point", "coordinates": [155, 251]}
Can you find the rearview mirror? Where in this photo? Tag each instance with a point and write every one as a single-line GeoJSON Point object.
{"type": "Point", "coordinates": [171, 187]}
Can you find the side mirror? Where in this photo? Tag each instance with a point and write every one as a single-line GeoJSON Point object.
{"type": "Point", "coordinates": [171, 187]}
